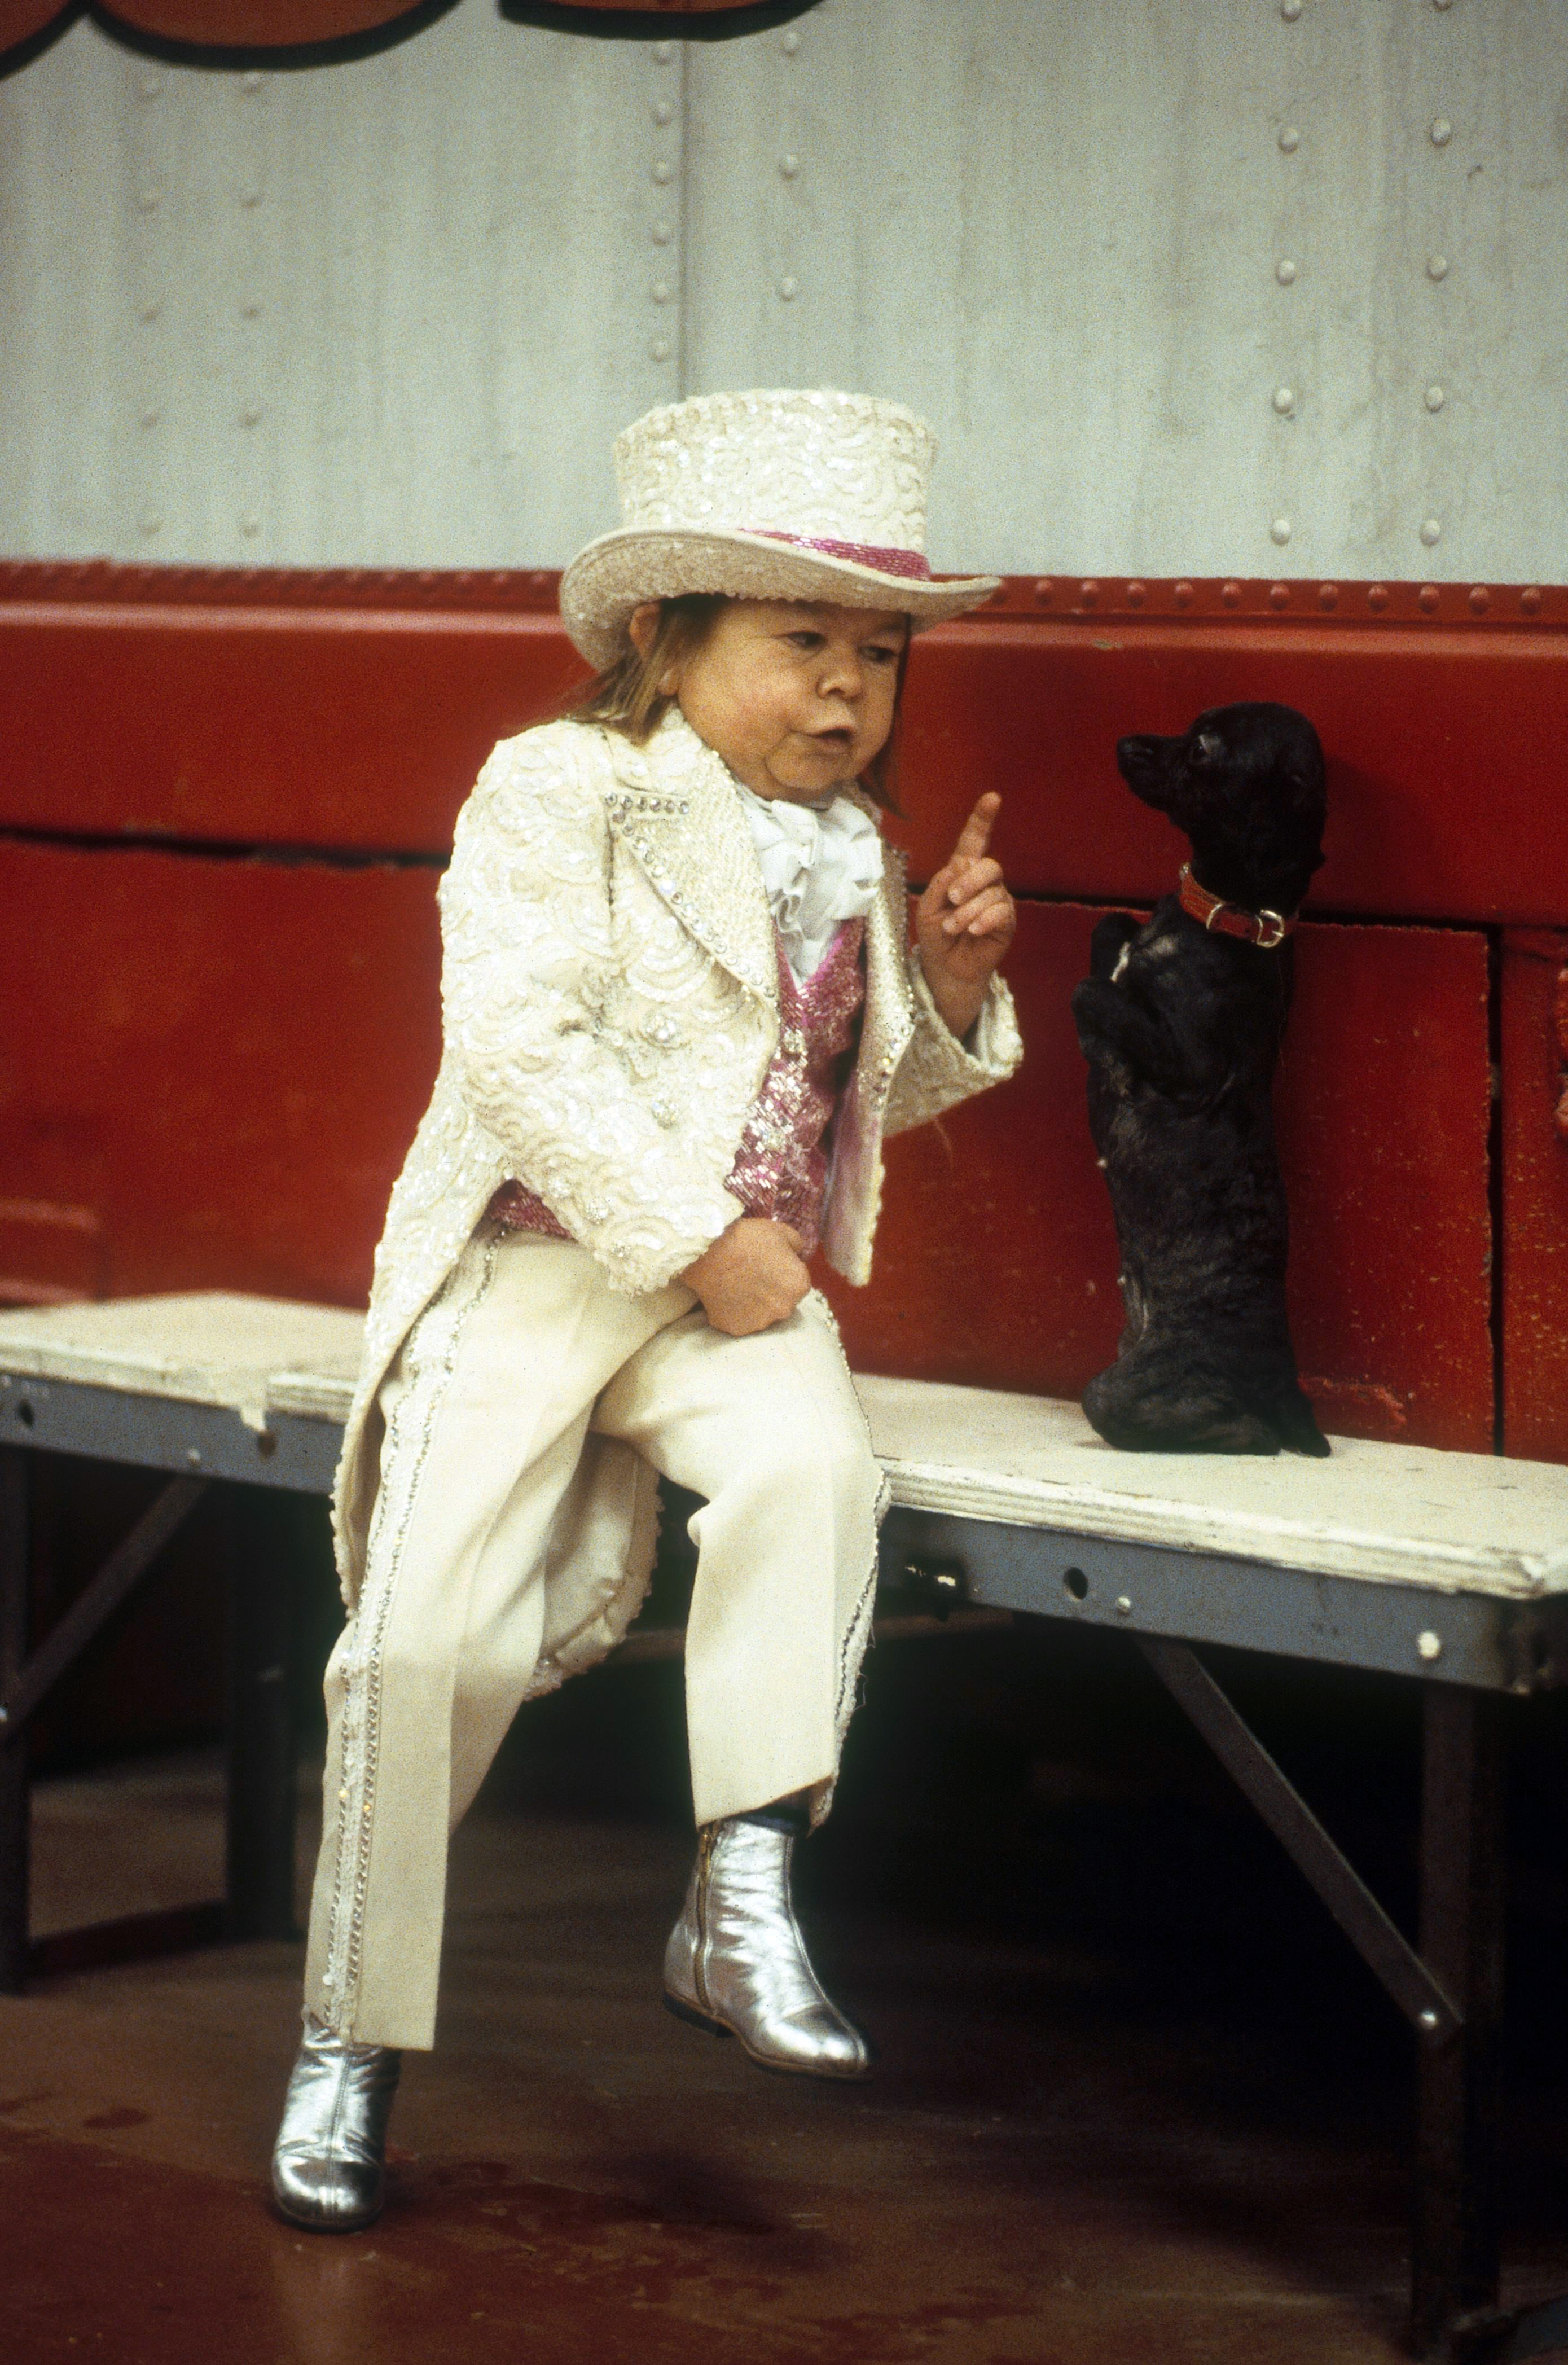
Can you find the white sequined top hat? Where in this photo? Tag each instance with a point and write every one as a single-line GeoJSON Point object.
{"type": "Point", "coordinates": [766, 495]}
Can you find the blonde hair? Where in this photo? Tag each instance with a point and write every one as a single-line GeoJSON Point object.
{"type": "Point", "coordinates": [626, 696]}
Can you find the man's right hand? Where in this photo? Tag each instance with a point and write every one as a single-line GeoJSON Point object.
{"type": "Point", "coordinates": [751, 1277]}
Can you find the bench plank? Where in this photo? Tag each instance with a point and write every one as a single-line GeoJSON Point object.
{"type": "Point", "coordinates": [1400, 1514]}
{"type": "Point", "coordinates": [1386, 1514]}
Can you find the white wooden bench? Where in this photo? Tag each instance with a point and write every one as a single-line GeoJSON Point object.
{"type": "Point", "coordinates": [1448, 1569]}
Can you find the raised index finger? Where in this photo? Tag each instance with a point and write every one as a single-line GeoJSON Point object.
{"type": "Point", "coordinates": [975, 836]}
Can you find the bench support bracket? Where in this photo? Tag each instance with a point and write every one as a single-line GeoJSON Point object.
{"type": "Point", "coordinates": [1451, 1991]}
{"type": "Point", "coordinates": [261, 1788]}
{"type": "Point", "coordinates": [1413, 1983]}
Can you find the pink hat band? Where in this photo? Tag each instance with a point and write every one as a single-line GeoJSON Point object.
{"type": "Point", "coordinates": [909, 565]}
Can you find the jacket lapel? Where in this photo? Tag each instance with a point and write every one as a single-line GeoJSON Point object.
{"type": "Point", "coordinates": [674, 806]}
{"type": "Point", "coordinates": [890, 1005]}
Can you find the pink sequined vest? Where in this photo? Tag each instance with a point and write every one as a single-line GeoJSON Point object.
{"type": "Point", "coordinates": [781, 1168]}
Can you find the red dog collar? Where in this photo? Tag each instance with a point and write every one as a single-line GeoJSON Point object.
{"type": "Point", "coordinates": [1266, 930]}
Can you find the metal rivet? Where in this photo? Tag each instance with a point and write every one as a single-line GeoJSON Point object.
{"type": "Point", "coordinates": [1137, 594]}
{"type": "Point", "coordinates": [1285, 273]}
{"type": "Point", "coordinates": [193, 1454]}
{"type": "Point", "coordinates": [251, 416]}
{"type": "Point", "coordinates": [1088, 592]}
{"type": "Point", "coordinates": [662, 173]}
{"type": "Point", "coordinates": [1279, 595]}
{"type": "Point", "coordinates": [663, 53]}
{"type": "Point", "coordinates": [1436, 266]}
{"type": "Point", "coordinates": [1434, 397]}
{"type": "Point", "coordinates": [1124, 1606]}
{"type": "Point", "coordinates": [790, 44]}
{"type": "Point", "coordinates": [150, 524]}
{"type": "Point", "coordinates": [659, 291]}
{"type": "Point", "coordinates": [1230, 593]}
{"type": "Point", "coordinates": [788, 289]}
{"type": "Point", "coordinates": [1284, 401]}
{"type": "Point", "coordinates": [1290, 138]}
{"type": "Point", "coordinates": [249, 523]}
{"type": "Point", "coordinates": [1529, 601]}
{"type": "Point", "coordinates": [1043, 590]}
{"type": "Point", "coordinates": [661, 233]}
{"type": "Point", "coordinates": [1442, 132]}
{"type": "Point", "coordinates": [788, 166]}
{"type": "Point", "coordinates": [1429, 599]}
{"type": "Point", "coordinates": [1181, 593]}
{"type": "Point", "coordinates": [1479, 599]}
{"type": "Point", "coordinates": [1328, 595]}
{"type": "Point", "coordinates": [1430, 1645]}
{"type": "Point", "coordinates": [1442, 5]}
{"type": "Point", "coordinates": [659, 349]}
{"type": "Point", "coordinates": [250, 82]}
{"type": "Point", "coordinates": [149, 311]}
{"type": "Point", "coordinates": [1281, 530]}
{"type": "Point", "coordinates": [1431, 530]}
{"type": "Point", "coordinates": [662, 111]}
{"type": "Point", "coordinates": [1377, 597]}
{"type": "Point", "coordinates": [1428, 2019]}
{"type": "Point", "coordinates": [1290, 10]}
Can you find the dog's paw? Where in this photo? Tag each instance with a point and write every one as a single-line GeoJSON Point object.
{"type": "Point", "coordinates": [1299, 1433]}
{"type": "Point", "coordinates": [1111, 944]}
{"type": "Point", "coordinates": [1094, 1010]}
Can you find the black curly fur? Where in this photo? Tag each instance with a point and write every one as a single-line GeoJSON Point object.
{"type": "Point", "coordinates": [1182, 1031]}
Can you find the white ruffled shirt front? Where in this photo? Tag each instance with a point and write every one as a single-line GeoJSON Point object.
{"type": "Point", "coordinates": [821, 864]}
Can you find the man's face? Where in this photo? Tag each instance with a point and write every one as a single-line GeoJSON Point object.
{"type": "Point", "coordinates": [796, 696]}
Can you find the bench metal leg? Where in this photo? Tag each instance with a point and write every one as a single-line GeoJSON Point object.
{"type": "Point", "coordinates": [15, 1805]}
{"type": "Point", "coordinates": [262, 1785]}
{"type": "Point", "coordinates": [1454, 2249]}
{"type": "Point", "coordinates": [1411, 1977]}
{"type": "Point", "coordinates": [1450, 1989]}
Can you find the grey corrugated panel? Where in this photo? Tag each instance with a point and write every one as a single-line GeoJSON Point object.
{"type": "Point", "coordinates": [1055, 228]}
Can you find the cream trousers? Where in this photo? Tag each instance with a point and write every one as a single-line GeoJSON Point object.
{"type": "Point", "coordinates": [487, 1410]}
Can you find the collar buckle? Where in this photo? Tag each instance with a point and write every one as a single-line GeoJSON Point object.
{"type": "Point", "coordinates": [1266, 929]}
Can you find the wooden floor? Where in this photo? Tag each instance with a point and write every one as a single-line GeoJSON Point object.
{"type": "Point", "coordinates": [1135, 2100]}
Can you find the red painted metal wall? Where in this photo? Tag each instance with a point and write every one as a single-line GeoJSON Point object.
{"type": "Point", "coordinates": [224, 800]}
{"type": "Point", "coordinates": [1534, 1038]}
{"type": "Point", "coordinates": [222, 1063]}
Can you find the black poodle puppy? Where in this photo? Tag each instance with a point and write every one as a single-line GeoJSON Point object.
{"type": "Point", "coordinates": [1180, 1021]}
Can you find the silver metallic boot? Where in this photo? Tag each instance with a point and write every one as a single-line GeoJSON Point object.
{"type": "Point", "coordinates": [736, 1963]}
{"type": "Point", "coordinates": [328, 2164]}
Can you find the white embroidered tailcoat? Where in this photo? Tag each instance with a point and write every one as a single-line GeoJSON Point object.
{"type": "Point", "coordinates": [610, 989]}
